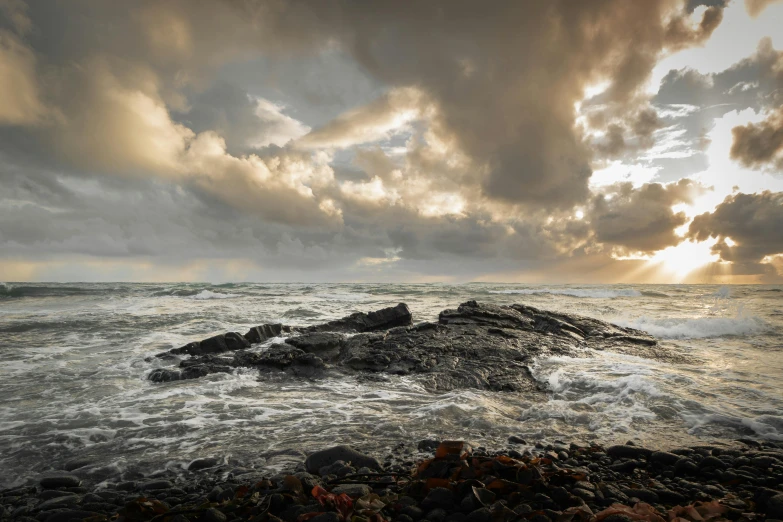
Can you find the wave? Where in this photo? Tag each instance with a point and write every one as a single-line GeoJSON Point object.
{"type": "Point", "coordinates": [595, 293]}
{"type": "Point", "coordinates": [295, 313]}
{"type": "Point", "coordinates": [9, 290]}
{"type": "Point", "coordinates": [653, 293]}
{"type": "Point", "coordinates": [209, 294]}
{"type": "Point", "coordinates": [697, 327]}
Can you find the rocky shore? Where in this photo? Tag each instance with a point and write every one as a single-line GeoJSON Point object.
{"type": "Point", "coordinates": [477, 345]}
{"type": "Point", "coordinates": [437, 482]}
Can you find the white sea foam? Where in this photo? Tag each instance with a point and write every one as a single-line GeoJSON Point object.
{"type": "Point", "coordinates": [696, 327]}
{"type": "Point", "coordinates": [594, 293]}
{"type": "Point", "coordinates": [209, 294]}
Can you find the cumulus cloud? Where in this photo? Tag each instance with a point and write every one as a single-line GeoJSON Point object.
{"type": "Point", "coordinates": [760, 144]}
{"type": "Point", "coordinates": [747, 227]}
{"type": "Point", "coordinates": [641, 220]}
{"type": "Point", "coordinates": [465, 146]}
{"type": "Point", "coordinates": [755, 7]}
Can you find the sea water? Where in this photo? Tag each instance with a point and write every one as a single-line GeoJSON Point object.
{"type": "Point", "coordinates": [73, 375]}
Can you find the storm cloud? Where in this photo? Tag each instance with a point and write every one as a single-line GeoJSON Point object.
{"type": "Point", "coordinates": [348, 136]}
{"type": "Point", "coordinates": [747, 227]}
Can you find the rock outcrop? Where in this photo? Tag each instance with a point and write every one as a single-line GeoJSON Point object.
{"type": "Point", "coordinates": [475, 346]}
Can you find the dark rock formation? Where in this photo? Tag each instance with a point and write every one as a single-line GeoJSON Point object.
{"type": "Point", "coordinates": [476, 346]}
{"type": "Point", "coordinates": [384, 319]}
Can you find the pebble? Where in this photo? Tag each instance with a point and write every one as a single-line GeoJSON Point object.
{"type": "Point", "coordinates": [352, 490]}
{"type": "Point", "coordinates": [775, 507]}
{"type": "Point", "coordinates": [213, 515]}
{"type": "Point", "coordinates": [59, 479]}
{"type": "Point", "coordinates": [155, 484]}
{"type": "Point", "coordinates": [205, 463]}
{"type": "Point", "coordinates": [325, 457]}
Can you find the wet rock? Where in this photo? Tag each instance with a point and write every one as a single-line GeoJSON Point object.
{"type": "Point", "coordinates": [352, 490]}
{"type": "Point", "coordinates": [325, 457]}
{"type": "Point", "coordinates": [628, 452]}
{"type": "Point", "coordinates": [264, 332]}
{"type": "Point", "coordinates": [428, 445]}
{"type": "Point", "coordinates": [155, 484]}
{"type": "Point", "coordinates": [58, 502]}
{"type": "Point", "coordinates": [480, 515]}
{"type": "Point", "coordinates": [412, 512]}
{"type": "Point", "coordinates": [76, 464]}
{"type": "Point", "coordinates": [213, 515]}
{"type": "Point", "coordinates": [664, 457]}
{"type": "Point", "coordinates": [54, 493]}
{"type": "Point", "coordinates": [438, 498]}
{"type": "Point", "coordinates": [204, 463]}
{"type": "Point", "coordinates": [284, 358]}
{"type": "Point", "coordinates": [384, 319]}
{"type": "Point", "coordinates": [71, 515]}
{"type": "Point", "coordinates": [59, 479]}
{"type": "Point", "coordinates": [712, 462]}
{"type": "Point", "coordinates": [775, 507]}
{"type": "Point", "coordinates": [686, 466]}
{"type": "Point", "coordinates": [323, 344]}
{"type": "Point", "coordinates": [645, 495]}
{"type": "Point", "coordinates": [475, 346]}
{"type": "Point", "coordinates": [516, 440]}
{"type": "Point", "coordinates": [339, 469]}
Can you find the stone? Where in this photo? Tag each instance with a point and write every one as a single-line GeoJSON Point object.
{"type": "Point", "coordinates": [203, 463]}
{"type": "Point", "coordinates": [264, 332]}
{"type": "Point", "coordinates": [76, 464]}
{"type": "Point", "coordinates": [325, 457]}
{"type": "Point", "coordinates": [712, 462]}
{"type": "Point", "coordinates": [352, 490]}
{"type": "Point", "coordinates": [383, 319]}
{"type": "Point", "coordinates": [318, 343]}
{"type": "Point", "coordinates": [213, 515]}
{"type": "Point", "coordinates": [59, 479]}
{"type": "Point", "coordinates": [628, 452]}
{"type": "Point", "coordinates": [155, 484]}
{"type": "Point", "coordinates": [329, 516]}
{"type": "Point", "coordinates": [438, 498]}
{"type": "Point", "coordinates": [71, 515]}
{"type": "Point", "coordinates": [664, 457]}
{"type": "Point", "coordinates": [686, 466]}
{"type": "Point", "coordinates": [775, 507]}
{"type": "Point", "coordinates": [58, 502]}
{"type": "Point", "coordinates": [53, 493]}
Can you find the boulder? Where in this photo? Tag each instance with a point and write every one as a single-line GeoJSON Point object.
{"type": "Point", "coordinates": [383, 319]}
{"type": "Point", "coordinates": [329, 456]}
{"type": "Point", "coordinates": [264, 332]}
{"type": "Point", "coordinates": [59, 479]}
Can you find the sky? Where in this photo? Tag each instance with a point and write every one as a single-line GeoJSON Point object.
{"type": "Point", "coordinates": [324, 141]}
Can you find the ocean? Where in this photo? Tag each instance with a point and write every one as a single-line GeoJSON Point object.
{"type": "Point", "coordinates": [73, 374]}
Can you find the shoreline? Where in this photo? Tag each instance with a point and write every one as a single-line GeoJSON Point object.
{"type": "Point", "coordinates": [437, 482]}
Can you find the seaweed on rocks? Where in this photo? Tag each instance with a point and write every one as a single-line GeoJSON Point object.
{"type": "Point", "coordinates": [454, 483]}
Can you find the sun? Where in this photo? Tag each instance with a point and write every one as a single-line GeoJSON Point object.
{"type": "Point", "coordinates": [685, 257]}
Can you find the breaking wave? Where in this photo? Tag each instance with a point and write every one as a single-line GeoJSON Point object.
{"type": "Point", "coordinates": [595, 293]}
{"type": "Point", "coordinates": [209, 294]}
{"type": "Point", "coordinates": [696, 327]}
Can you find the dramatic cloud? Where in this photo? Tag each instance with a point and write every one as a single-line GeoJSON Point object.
{"type": "Point", "coordinates": [641, 220]}
{"type": "Point", "coordinates": [755, 7]}
{"type": "Point", "coordinates": [758, 144]}
{"type": "Point", "coordinates": [747, 226]}
{"type": "Point", "coordinates": [444, 138]}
